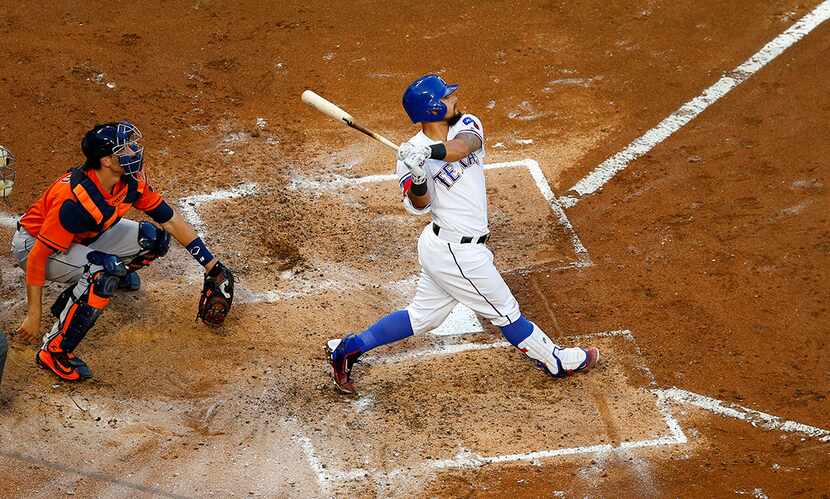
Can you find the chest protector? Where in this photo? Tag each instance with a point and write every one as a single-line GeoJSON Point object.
{"type": "Point", "coordinates": [89, 213]}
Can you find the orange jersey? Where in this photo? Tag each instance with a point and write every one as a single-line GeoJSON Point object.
{"type": "Point", "coordinates": [77, 209]}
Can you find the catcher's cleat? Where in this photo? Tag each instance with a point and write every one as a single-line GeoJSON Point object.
{"type": "Point", "coordinates": [342, 356]}
{"type": "Point", "coordinates": [130, 282]}
{"type": "Point", "coordinates": [66, 365]}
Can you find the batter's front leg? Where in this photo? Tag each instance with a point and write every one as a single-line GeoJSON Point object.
{"type": "Point", "coordinates": [470, 275]}
{"type": "Point", "coordinates": [392, 327]}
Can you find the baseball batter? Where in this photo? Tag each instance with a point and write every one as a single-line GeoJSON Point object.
{"type": "Point", "coordinates": [441, 171]}
{"type": "Point", "coordinates": [74, 234]}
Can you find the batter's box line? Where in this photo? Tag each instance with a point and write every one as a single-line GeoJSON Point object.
{"type": "Point", "coordinates": [603, 173]}
{"type": "Point", "coordinates": [468, 460]}
{"type": "Point", "coordinates": [583, 258]}
{"type": "Point", "coordinates": [663, 396]}
{"type": "Point", "coordinates": [755, 418]}
{"type": "Point", "coordinates": [751, 416]}
{"type": "Point", "coordinates": [190, 205]}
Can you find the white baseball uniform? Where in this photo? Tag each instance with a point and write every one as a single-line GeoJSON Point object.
{"type": "Point", "coordinates": [456, 266]}
{"type": "Point", "coordinates": [452, 271]}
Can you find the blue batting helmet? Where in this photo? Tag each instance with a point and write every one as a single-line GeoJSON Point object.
{"type": "Point", "coordinates": [122, 139]}
{"type": "Point", "coordinates": [422, 98]}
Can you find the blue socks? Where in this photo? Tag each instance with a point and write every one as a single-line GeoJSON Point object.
{"type": "Point", "coordinates": [518, 331]}
{"type": "Point", "coordinates": [396, 326]}
{"type": "Point", "coordinates": [393, 327]}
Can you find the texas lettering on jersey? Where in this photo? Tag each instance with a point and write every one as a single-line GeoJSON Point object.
{"type": "Point", "coordinates": [450, 173]}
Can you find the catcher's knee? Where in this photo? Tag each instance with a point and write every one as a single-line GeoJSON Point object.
{"type": "Point", "coordinates": [154, 243]}
{"type": "Point", "coordinates": [104, 282]}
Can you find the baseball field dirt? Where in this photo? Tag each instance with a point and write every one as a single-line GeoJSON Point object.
{"type": "Point", "coordinates": [701, 269]}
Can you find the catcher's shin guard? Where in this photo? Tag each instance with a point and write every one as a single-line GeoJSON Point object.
{"type": "Point", "coordinates": [77, 309]}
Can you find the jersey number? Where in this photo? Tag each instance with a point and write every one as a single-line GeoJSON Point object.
{"type": "Point", "coordinates": [470, 121]}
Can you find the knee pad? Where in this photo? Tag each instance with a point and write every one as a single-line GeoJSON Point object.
{"type": "Point", "coordinates": [104, 282]}
{"type": "Point", "coordinates": [112, 265]}
{"type": "Point", "coordinates": [154, 243]}
{"type": "Point", "coordinates": [153, 239]}
{"type": "Point", "coordinates": [103, 286]}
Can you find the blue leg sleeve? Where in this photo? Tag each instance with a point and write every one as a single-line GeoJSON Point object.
{"type": "Point", "coordinates": [518, 331]}
{"type": "Point", "coordinates": [393, 327]}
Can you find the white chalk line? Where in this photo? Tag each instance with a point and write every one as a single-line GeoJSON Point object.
{"type": "Point", "coordinates": [541, 181]}
{"type": "Point", "coordinates": [689, 111]}
{"type": "Point", "coordinates": [323, 477]}
{"type": "Point", "coordinates": [753, 417]}
{"type": "Point", "coordinates": [676, 436]}
{"type": "Point", "coordinates": [190, 204]}
{"type": "Point", "coordinates": [539, 178]}
{"type": "Point", "coordinates": [337, 182]}
{"type": "Point", "coordinates": [246, 296]}
{"type": "Point", "coordinates": [465, 459]}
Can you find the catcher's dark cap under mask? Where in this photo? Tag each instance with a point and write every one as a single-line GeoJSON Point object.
{"type": "Point", "coordinates": [122, 139]}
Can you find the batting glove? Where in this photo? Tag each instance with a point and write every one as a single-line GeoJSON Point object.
{"type": "Point", "coordinates": [414, 157]}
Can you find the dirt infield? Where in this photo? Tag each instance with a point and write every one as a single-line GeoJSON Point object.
{"type": "Point", "coordinates": [701, 269]}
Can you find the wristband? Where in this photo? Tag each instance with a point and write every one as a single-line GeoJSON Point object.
{"type": "Point", "coordinates": [438, 151]}
{"type": "Point", "coordinates": [418, 189]}
{"type": "Point", "coordinates": [199, 251]}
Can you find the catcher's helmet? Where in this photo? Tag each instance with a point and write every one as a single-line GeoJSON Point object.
{"type": "Point", "coordinates": [120, 138]}
{"type": "Point", "coordinates": [422, 98]}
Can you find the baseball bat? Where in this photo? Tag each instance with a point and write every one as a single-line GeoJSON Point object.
{"type": "Point", "coordinates": [331, 110]}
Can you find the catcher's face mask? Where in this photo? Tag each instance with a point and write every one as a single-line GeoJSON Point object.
{"type": "Point", "coordinates": [128, 149]}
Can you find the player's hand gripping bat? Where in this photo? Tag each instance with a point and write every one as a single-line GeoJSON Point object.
{"type": "Point", "coordinates": [335, 112]}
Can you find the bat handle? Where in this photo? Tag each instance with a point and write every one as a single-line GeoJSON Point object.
{"type": "Point", "coordinates": [388, 143]}
{"type": "Point", "coordinates": [380, 138]}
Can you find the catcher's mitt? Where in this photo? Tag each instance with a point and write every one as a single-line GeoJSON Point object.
{"type": "Point", "coordinates": [217, 295]}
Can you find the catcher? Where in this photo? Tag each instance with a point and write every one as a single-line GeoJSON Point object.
{"type": "Point", "coordinates": [75, 234]}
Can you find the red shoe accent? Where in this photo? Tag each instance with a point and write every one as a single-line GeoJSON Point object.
{"type": "Point", "coordinates": [591, 361]}
{"type": "Point", "coordinates": [66, 366]}
{"type": "Point", "coordinates": [341, 372]}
